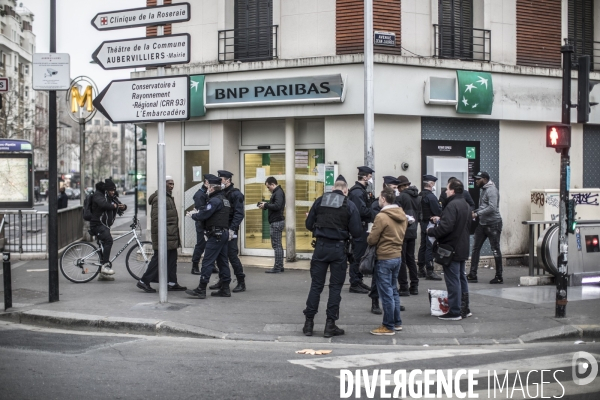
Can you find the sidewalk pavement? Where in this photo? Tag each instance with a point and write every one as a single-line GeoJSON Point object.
{"type": "Point", "coordinates": [271, 309]}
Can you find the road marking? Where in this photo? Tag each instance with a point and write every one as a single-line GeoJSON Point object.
{"type": "Point", "coordinates": [368, 360]}
{"type": "Point", "coordinates": [37, 270]}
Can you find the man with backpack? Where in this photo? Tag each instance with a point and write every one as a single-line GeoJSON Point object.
{"type": "Point", "coordinates": [410, 201]}
{"type": "Point", "coordinates": [104, 206]}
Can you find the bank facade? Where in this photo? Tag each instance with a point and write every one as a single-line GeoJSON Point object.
{"type": "Point", "coordinates": [277, 90]}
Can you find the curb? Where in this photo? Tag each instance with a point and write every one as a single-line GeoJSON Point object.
{"type": "Point", "coordinates": [562, 332]}
{"type": "Point", "coordinates": [85, 322]}
{"type": "Point", "coordinates": [154, 327]}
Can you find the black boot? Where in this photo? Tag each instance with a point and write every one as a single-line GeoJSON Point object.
{"type": "Point", "coordinates": [497, 279]}
{"type": "Point", "coordinates": [308, 326]}
{"type": "Point", "coordinates": [422, 273]}
{"type": "Point", "coordinates": [199, 292]}
{"type": "Point", "coordinates": [403, 291]}
{"type": "Point", "coordinates": [241, 286]}
{"type": "Point", "coordinates": [195, 269]}
{"type": "Point", "coordinates": [464, 306]}
{"type": "Point", "coordinates": [216, 285]}
{"type": "Point", "coordinates": [331, 329]}
{"type": "Point", "coordinates": [472, 277]}
{"type": "Point", "coordinates": [223, 291]}
{"type": "Point", "coordinates": [431, 275]}
{"type": "Point", "coordinates": [414, 290]}
{"type": "Point", "coordinates": [375, 307]}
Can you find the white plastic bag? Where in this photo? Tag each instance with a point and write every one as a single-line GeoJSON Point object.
{"type": "Point", "coordinates": [438, 302]}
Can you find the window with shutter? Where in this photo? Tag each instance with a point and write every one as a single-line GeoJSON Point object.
{"type": "Point", "coordinates": [455, 35]}
{"type": "Point", "coordinates": [253, 30]}
{"type": "Point", "coordinates": [581, 28]}
{"type": "Point", "coordinates": [151, 30]}
{"type": "Point", "coordinates": [539, 33]}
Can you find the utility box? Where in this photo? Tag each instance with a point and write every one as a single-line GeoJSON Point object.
{"type": "Point", "coordinates": [545, 203]}
{"type": "Point", "coordinates": [445, 168]}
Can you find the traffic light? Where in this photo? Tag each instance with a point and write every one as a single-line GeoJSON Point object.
{"type": "Point", "coordinates": [571, 214]}
{"type": "Point", "coordinates": [558, 136]}
{"type": "Point", "coordinates": [143, 138]}
{"type": "Point", "coordinates": [584, 87]}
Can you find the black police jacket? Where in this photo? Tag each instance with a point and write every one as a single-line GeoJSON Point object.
{"type": "Point", "coordinates": [236, 200]}
{"type": "Point", "coordinates": [213, 205]}
{"type": "Point", "coordinates": [358, 195]}
{"type": "Point", "coordinates": [200, 199]}
{"type": "Point", "coordinates": [430, 207]}
{"type": "Point", "coordinates": [354, 227]}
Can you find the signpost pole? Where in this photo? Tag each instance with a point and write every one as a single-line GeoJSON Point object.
{"type": "Point", "coordinates": [52, 234]}
{"type": "Point", "coordinates": [135, 171]}
{"type": "Point", "coordinates": [82, 161]}
{"type": "Point", "coordinates": [563, 235]}
{"type": "Point", "coordinates": [369, 94]}
{"type": "Point", "coordinates": [162, 196]}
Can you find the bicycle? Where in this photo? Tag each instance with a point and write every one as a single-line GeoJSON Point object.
{"type": "Point", "coordinates": [81, 262]}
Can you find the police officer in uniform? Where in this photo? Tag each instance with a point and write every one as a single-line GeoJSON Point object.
{"type": "Point", "coordinates": [332, 219]}
{"type": "Point", "coordinates": [362, 200]}
{"type": "Point", "coordinates": [216, 227]}
{"type": "Point", "coordinates": [236, 215]}
{"type": "Point", "coordinates": [200, 200]}
{"type": "Point", "coordinates": [430, 207]}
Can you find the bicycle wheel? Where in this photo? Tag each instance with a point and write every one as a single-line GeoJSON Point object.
{"type": "Point", "coordinates": [75, 268]}
{"type": "Point", "coordinates": [138, 259]}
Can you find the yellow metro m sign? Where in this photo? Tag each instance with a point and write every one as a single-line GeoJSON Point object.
{"type": "Point", "coordinates": [78, 100]}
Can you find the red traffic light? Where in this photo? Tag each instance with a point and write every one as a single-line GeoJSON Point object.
{"type": "Point", "coordinates": [558, 136]}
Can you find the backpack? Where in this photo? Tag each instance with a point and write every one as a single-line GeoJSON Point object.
{"type": "Point", "coordinates": [87, 207]}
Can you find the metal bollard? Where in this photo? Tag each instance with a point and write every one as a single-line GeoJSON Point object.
{"type": "Point", "coordinates": [7, 280]}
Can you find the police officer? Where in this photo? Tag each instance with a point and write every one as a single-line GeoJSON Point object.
{"type": "Point", "coordinates": [236, 215]}
{"type": "Point", "coordinates": [215, 216]}
{"type": "Point", "coordinates": [200, 200]}
{"type": "Point", "coordinates": [362, 200]}
{"type": "Point", "coordinates": [430, 207]}
{"type": "Point", "coordinates": [332, 219]}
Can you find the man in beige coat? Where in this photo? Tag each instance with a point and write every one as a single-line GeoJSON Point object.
{"type": "Point", "coordinates": [387, 235]}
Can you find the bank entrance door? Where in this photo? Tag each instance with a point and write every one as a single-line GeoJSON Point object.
{"type": "Point", "coordinates": [255, 168]}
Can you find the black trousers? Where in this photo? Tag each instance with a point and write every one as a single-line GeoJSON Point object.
{"type": "Point", "coordinates": [360, 246]}
{"type": "Point", "coordinates": [151, 273]}
{"type": "Point", "coordinates": [491, 232]}
{"type": "Point", "coordinates": [426, 248]}
{"type": "Point", "coordinates": [200, 243]}
{"type": "Point", "coordinates": [103, 234]}
{"type": "Point", "coordinates": [234, 259]}
{"type": "Point", "coordinates": [216, 250]}
{"type": "Point", "coordinates": [328, 254]}
{"type": "Point", "coordinates": [408, 262]}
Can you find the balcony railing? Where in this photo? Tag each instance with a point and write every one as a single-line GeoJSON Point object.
{"type": "Point", "coordinates": [468, 44]}
{"type": "Point", "coordinates": [582, 48]}
{"type": "Point", "coordinates": [257, 43]}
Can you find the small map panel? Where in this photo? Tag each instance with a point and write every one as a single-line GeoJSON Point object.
{"type": "Point", "coordinates": [14, 180]}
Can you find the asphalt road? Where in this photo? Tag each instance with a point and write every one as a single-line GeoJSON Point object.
{"type": "Point", "coordinates": [39, 363]}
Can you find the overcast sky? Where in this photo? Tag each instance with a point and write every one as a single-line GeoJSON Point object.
{"type": "Point", "coordinates": [75, 34]}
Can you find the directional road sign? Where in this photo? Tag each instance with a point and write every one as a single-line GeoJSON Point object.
{"type": "Point", "coordinates": [152, 51]}
{"type": "Point", "coordinates": [144, 16]}
{"type": "Point", "coordinates": [161, 99]}
{"type": "Point", "coordinates": [4, 85]}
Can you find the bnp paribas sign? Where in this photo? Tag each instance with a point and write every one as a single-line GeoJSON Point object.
{"type": "Point", "coordinates": [475, 92]}
{"type": "Point", "coordinates": [277, 91]}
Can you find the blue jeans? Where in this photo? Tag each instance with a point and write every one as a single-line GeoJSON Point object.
{"type": "Point", "coordinates": [456, 283]}
{"type": "Point", "coordinates": [387, 276]}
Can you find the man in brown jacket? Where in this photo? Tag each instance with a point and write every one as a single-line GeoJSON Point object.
{"type": "Point", "coordinates": [173, 243]}
{"type": "Point", "coordinates": [387, 234]}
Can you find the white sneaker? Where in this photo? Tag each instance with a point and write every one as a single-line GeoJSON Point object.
{"type": "Point", "coordinates": [106, 270]}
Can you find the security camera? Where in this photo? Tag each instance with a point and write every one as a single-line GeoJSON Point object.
{"type": "Point", "coordinates": [50, 72]}
{"type": "Point", "coordinates": [404, 166]}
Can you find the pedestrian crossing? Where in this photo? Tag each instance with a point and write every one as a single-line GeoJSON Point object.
{"type": "Point", "coordinates": [497, 372]}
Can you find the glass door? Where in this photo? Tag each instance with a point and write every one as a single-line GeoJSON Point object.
{"type": "Point", "coordinates": [256, 167]}
{"type": "Point", "coordinates": [195, 165]}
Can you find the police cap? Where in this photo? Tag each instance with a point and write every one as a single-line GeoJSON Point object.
{"type": "Point", "coordinates": [224, 174]}
{"type": "Point", "coordinates": [213, 180]}
{"type": "Point", "coordinates": [365, 170]}
{"type": "Point", "coordinates": [429, 178]}
{"type": "Point", "coordinates": [341, 178]}
{"type": "Point", "coordinates": [390, 180]}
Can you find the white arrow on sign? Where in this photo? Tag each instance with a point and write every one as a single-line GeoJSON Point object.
{"type": "Point", "coordinates": [144, 16]}
{"type": "Point", "coordinates": [148, 99]}
{"type": "Point", "coordinates": [144, 52]}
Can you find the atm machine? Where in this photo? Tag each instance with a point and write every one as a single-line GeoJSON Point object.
{"type": "Point", "coordinates": [445, 168]}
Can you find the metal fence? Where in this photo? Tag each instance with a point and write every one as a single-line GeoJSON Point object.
{"type": "Point", "coordinates": [462, 43]}
{"type": "Point", "coordinates": [25, 231]}
{"type": "Point", "coordinates": [536, 228]}
{"type": "Point", "coordinates": [256, 43]}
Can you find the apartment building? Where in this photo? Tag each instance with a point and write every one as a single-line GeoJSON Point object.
{"type": "Point", "coordinates": [468, 81]}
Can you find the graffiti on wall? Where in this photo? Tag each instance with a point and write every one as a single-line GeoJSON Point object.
{"type": "Point", "coordinates": [587, 199]}
{"type": "Point", "coordinates": [537, 198]}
